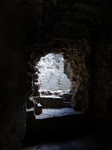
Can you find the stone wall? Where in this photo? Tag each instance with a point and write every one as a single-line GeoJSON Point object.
{"type": "Point", "coordinates": [102, 94]}
{"type": "Point", "coordinates": [12, 76]}
{"type": "Point", "coordinates": [80, 30]}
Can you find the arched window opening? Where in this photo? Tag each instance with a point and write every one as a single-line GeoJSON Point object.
{"type": "Point", "coordinates": [51, 87]}
{"type": "Point", "coordinates": [57, 83]}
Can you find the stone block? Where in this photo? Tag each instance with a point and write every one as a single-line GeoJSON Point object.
{"type": "Point", "coordinates": [37, 109]}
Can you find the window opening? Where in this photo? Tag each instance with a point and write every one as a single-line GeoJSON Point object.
{"type": "Point", "coordinates": [53, 80]}
{"type": "Point", "coordinates": [51, 87]}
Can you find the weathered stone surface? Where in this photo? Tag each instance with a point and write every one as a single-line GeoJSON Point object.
{"type": "Point", "coordinates": [12, 76]}
{"type": "Point", "coordinates": [81, 31]}
{"type": "Point", "coordinates": [37, 109]}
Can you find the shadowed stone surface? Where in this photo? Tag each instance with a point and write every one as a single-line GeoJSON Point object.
{"type": "Point", "coordinates": [86, 142]}
{"type": "Point", "coordinates": [81, 31]}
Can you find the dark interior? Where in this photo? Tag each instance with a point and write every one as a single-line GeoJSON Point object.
{"type": "Point", "coordinates": [81, 32]}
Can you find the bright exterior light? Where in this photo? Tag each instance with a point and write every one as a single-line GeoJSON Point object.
{"type": "Point", "coordinates": [52, 76]}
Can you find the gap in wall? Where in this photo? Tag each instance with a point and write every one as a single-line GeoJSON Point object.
{"type": "Point", "coordinates": [53, 78]}
{"type": "Point", "coordinates": [52, 88]}
{"type": "Point", "coordinates": [53, 97]}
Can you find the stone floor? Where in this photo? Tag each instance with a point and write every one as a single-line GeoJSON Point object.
{"type": "Point", "coordinates": [54, 112]}
{"type": "Point", "coordinates": [59, 129]}
{"type": "Point", "coordinates": [85, 142]}
{"type": "Point", "coordinates": [48, 113]}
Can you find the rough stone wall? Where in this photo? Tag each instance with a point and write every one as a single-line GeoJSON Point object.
{"type": "Point", "coordinates": [69, 21]}
{"type": "Point", "coordinates": [79, 73]}
{"type": "Point", "coordinates": [102, 94]}
{"type": "Point", "coordinates": [12, 76]}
